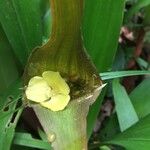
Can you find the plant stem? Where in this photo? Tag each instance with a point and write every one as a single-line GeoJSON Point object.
{"type": "Point", "coordinates": [67, 129]}
{"type": "Point", "coordinates": [65, 53]}
{"type": "Point", "coordinates": [66, 16]}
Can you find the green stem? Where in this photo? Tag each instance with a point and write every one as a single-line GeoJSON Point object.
{"type": "Point", "coordinates": [65, 53]}
{"type": "Point", "coordinates": [66, 16]}
{"type": "Point", "coordinates": [61, 129]}
{"type": "Point", "coordinates": [67, 129]}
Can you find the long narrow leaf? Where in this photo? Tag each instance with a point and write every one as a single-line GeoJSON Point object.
{"type": "Point", "coordinates": [8, 66]}
{"type": "Point", "coordinates": [101, 28]}
{"type": "Point", "coordinates": [124, 108]}
{"type": "Point", "coordinates": [136, 137]}
{"type": "Point", "coordinates": [21, 21]}
{"type": "Point", "coordinates": [119, 74]}
{"type": "Point", "coordinates": [25, 139]}
{"type": "Point", "coordinates": [102, 22]}
{"type": "Point", "coordinates": [140, 100]}
{"type": "Point", "coordinates": [140, 97]}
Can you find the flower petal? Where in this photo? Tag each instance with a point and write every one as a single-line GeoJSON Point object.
{"type": "Point", "coordinates": [57, 83]}
{"type": "Point", "coordinates": [57, 102]}
{"type": "Point", "coordinates": [38, 90]}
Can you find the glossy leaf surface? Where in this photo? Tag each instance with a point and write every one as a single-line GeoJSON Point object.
{"type": "Point", "coordinates": [21, 22]}
{"type": "Point", "coordinates": [101, 28]}
{"type": "Point", "coordinates": [136, 137]}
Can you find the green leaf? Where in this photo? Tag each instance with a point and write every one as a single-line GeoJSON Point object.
{"type": "Point", "coordinates": [21, 21]}
{"type": "Point", "coordinates": [101, 28]}
{"type": "Point", "coordinates": [135, 8]}
{"type": "Point", "coordinates": [140, 98]}
{"type": "Point", "coordinates": [25, 139]}
{"type": "Point", "coordinates": [42, 135]}
{"type": "Point", "coordinates": [110, 128]}
{"type": "Point", "coordinates": [8, 120]}
{"type": "Point", "coordinates": [137, 137]}
{"type": "Point", "coordinates": [11, 94]}
{"type": "Point", "coordinates": [8, 66]}
{"type": "Point", "coordinates": [93, 113]}
{"type": "Point", "coordinates": [104, 148]}
{"type": "Point", "coordinates": [124, 108]}
{"type": "Point", "coordinates": [99, 38]}
{"type": "Point", "coordinates": [47, 21]}
{"type": "Point", "coordinates": [18, 147]}
{"type": "Point", "coordinates": [142, 63]}
{"type": "Point", "coordinates": [8, 74]}
{"type": "Point", "coordinates": [146, 21]}
{"type": "Point", "coordinates": [119, 74]}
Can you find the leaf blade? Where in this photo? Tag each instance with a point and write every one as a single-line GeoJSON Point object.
{"type": "Point", "coordinates": [140, 98]}
{"type": "Point", "coordinates": [25, 139]}
{"type": "Point", "coordinates": [119, 74]}
{"type": "Point", "coordinates": [124, 107]}
{"type": "Point", "coordinates": [8, 71]}
{"type": "Point", "coordinates": [135, 137]}
{"type": "Point", "coordinates": [7, 126]}
{"type": "Point", "coordinates": [97, 39]}
{"type": "Point", "coordinates": [27, 29]}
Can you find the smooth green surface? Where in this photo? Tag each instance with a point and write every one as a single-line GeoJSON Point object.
{"type": "Point", "coordinates": [47, 23]}
{"type": "Point", "coordinates": [120, 74]}
{"type": "Point", "coordinates": [146, 21]}
{"type": "Point", "coordinates": [101, 27]}
{"type": "Point", "coordinates": [8, 67]}
{"type": "Point", "coordinates": [68, 127]}
{"type": "Point", "coordinates": [21, 21]}
{"type": "Point", "coordinates": [124, 108]}
{"type": "Point", "coordinates": [25, 139]}
{"type": "Point", "coordinates": [140, 98]}
{"type": "Point", "coordinates": [136, 137]}
{"type": "Point", "coordinates": [142, 63]}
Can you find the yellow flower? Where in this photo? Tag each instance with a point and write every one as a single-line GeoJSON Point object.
{"type": "Point", "coordinates": [38, 90]}
{"type": "Point", "coordinates": [50, 90]}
